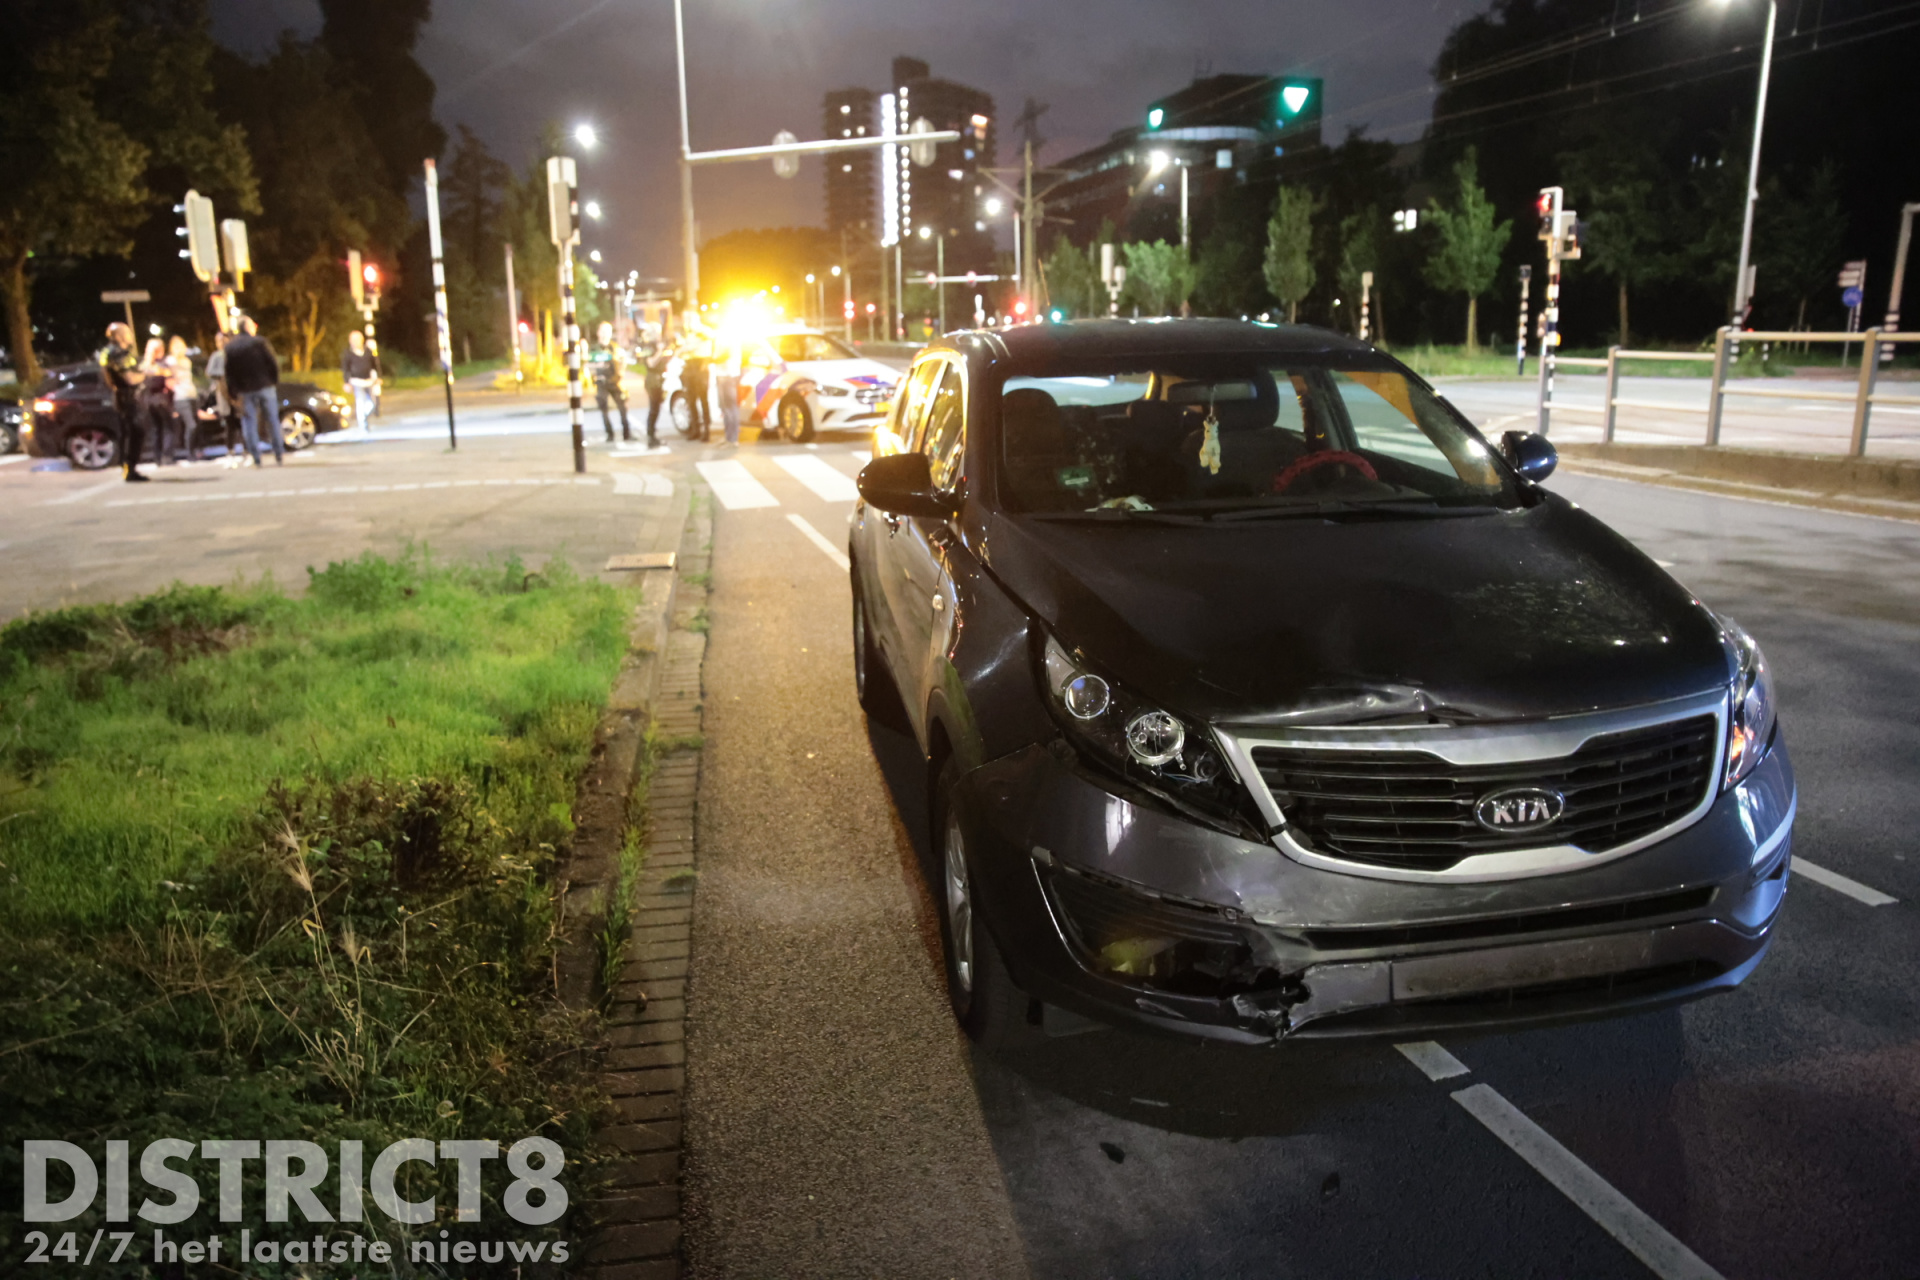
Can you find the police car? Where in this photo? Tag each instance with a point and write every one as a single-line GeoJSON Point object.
{"type": "Point", "coordinates": [812, 382]}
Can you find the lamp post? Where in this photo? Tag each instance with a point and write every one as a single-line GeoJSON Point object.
{"type": "Point", "coordinates": [689, 259]}
{"type": "Point", "coordinates": [1741, 298]}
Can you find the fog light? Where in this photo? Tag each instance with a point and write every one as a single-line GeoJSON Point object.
{"type": "Point", "coordinates": [1086, 696]}
{"type": "Point", "coordinates": [1154, 738]}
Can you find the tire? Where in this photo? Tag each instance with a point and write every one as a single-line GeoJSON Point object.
{"type": "Point", "coordinates": [796, 420]}
{"type": "Point", "coordinates": [987, 1005]}
{"type": "Point", "coordinates": [682, 414]}
{"type": "Point", "coordinates": [297, 429]}
{"type": "Point", "coordinates": [91, 448]}
{"type": "Point", "coordinates": [872, 682]}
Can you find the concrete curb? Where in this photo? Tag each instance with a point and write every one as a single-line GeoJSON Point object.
{"type": "Point", "coordinates": [645, 1058]}
{"type": "Point", "coordinates": [1859, 486]}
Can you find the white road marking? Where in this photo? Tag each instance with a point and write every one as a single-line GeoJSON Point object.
{"type": "Point", "coordinates": [1842, 884]}
{"type": "Point", "coordinates": [650, 484]}
{"type": "Point", "coordinates": [436, 484]}
{"type": "Point", "coordinates": [1664, 564]}
{"type": "Point", "coordinates": [817, 475]}
{"type": "Point", "coordinates": [1435, 1061]}
{"type": "Point", "coordinates": [13, 458]}
{"type": "Point", "coordinates": [87, 492]}
{"type": "Point", "coordinates": [734, 486]}
{"type": "Point", "coordinates": [1618, 1216]}
{"type": "Point", "coordinates": [819, 540]}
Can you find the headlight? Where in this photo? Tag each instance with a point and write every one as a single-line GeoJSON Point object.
{"type": "Point", "coordinates": [1130, 735]}
{"type": "Point", "coordinates": [832, 389]}
{"type": "Point", "coordinates": [1750, 727]}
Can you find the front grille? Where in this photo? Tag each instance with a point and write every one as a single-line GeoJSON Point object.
{"type": "Point", "coordinates": [873, 394]}
{"type": "Point", "coordinates": [1413, 810]}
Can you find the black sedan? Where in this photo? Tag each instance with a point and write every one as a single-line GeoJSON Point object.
{"type": "Point", "coordinates": [1261, 696]}
{"type": "Point", "coordinates": [72, 416]}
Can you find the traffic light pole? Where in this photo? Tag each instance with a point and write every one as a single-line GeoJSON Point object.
{"type": "Point", "coordinates": [442, 329]}
{"type": "Point", "coordinates": [1520, 338]}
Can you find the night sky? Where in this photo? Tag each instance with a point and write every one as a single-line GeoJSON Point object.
{"type": "Point", "coordinates": [504, 67]}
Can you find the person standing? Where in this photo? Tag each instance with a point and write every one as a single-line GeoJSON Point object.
{"type": "Point", "coordinates": [609, 363]}
{"type": "Point", "coordinates": [253, 379]}
{"type": "Point", "coordinates": [121, 368]}
{"type": "Point", "coordinates": [185, 393]}
{"type": "Point", "coordinates": [654, 358]}
{"type": "Point", "coordinates": [696, 354]}
{"type": "Point", "coordinates": [156, 400]}
{"type": "Point", "coordinates": [361, 376]}
{"type": "Point", "coordinates": [222, 410]}
{"type": "Point", "coordinates": [726, 385]}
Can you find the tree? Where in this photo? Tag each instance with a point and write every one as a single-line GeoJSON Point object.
{"type": "Point", "coordinates": [371, 42]}
{"type": "Point", "coordinates": [1289, 262]}
{"type": "Point", "coordinates": [472, 193]}
{"type": "Point", "coordinates": [1227, 273]}
{"type": "Point", "coordinates": [1073, 278]}
{"type": "Point", "coordinates": [1618, 177]}
{"type": "Point", "coordinates": [1360, 235]}
{"type": "Point", "coordinates": [1470, 243]}
{"type": "Point", "coordinates": [100, 105]}
{"type": "Point", "coordinates": [1159, 277]}
{"type": "Point", "coordinates": [1800, 235]}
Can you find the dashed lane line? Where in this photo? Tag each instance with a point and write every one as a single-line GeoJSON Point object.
{"type": "Point", "coordinates": [650, 488]}
{"type": "Point", "coordinates": [819, 540]}
{"type": "Point", "coordinates": [826, 481]}
{"type": "Point", "coordinates": [734, 486]}
{"type": "Point", "coordinates": [1842, 884]}
{"type": "Point", "coordinates": [87, 492]}
{"type": "Point", "coordinates": [1616, 1215]}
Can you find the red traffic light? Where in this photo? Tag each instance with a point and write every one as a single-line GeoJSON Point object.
{"type": "Point", "coordinates": [371, 274]}
{"type": "Point", "coordinates": [848, 308]}
{"type": "Point", "coordinates": [1020, 307]}
{"type": "Point", "coordinates": [870, 308]}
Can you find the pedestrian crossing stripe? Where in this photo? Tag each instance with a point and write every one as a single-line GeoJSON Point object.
{"type": "Point", "coordinates": [827, 482]}
{"type": "Point", "coordinates": [734, 486]}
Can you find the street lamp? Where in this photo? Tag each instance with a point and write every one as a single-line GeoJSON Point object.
{"type": "Point", "coordinates": [992, 206]}
{"type": "Point", "coordinates": [1741, 298]}
{"type": "Point", "coordinates": [594, 256]}
{"type": "Point", "coordinates": [584, 135]}
{"type": "Point", "coordinates": [593, 210]}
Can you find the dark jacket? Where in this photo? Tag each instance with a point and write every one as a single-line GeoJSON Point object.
{"type": "Point", "coordinates": [251, 365]}
{"type": "Point", "coordinates": [358, 364]}
{"type": "Point", "coordinates": [122, 368]}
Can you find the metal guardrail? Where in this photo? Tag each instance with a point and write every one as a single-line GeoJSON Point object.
{"type": "Point", "coordinates": [1863, 397]}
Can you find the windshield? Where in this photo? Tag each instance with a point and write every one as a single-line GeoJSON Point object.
{"type": "Point", "coordinates": [798, 347]}
{"type": "Point", "coordinates": [1220, 433]}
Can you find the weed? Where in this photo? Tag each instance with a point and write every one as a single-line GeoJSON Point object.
{"type": "Point", "coordinates": [701, 621]}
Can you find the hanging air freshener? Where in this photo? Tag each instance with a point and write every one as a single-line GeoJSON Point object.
{"type": "Point", "coordinates": [1210, 442]}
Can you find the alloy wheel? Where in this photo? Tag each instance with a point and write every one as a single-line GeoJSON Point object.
{"type": "Point", "coordinates": [959, 905]}
{"type": "Point", "coordinates": [92, 449]}
{"type": "Point", "coordinates": [297, 429]}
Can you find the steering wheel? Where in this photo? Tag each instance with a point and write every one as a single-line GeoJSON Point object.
{"type": "Point", "coordinates": [1334, 457]}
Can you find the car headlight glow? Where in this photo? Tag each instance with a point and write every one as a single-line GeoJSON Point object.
{"type": "Point", "coordinates": [1129, 735]}
{"type": "Point", "coordinates": [1750, 727]}
{"type": "Point", "coordinates": [835, 390]}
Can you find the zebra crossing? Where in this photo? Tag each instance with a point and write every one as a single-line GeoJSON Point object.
{"type": "Point", "coordinates": [739, 484]}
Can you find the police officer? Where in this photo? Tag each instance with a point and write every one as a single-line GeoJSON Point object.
{"type": "Point", "coordinates": [655, 355]}
{"type": "Point", "coordinates": [120, 365]}
{"type": "Point", "coordinates": [608, 362]}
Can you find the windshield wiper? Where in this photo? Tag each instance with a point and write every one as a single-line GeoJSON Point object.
{"type": "Point", "coordinates": [1389, 508]}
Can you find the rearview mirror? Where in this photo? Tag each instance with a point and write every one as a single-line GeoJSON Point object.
{"type": "Point", "coordinates": [1532, 455]}
{"type": "Point", "coordinates": [901, 484]}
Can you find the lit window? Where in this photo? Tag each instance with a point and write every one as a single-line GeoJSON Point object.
{"type": "Point", "coordinates": [846, 168]}
{"type": "Point", "coordinates": [845, 109]}
{"type": "Point", "coordinates": [955, 174]}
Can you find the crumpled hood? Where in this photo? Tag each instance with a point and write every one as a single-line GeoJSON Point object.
{"type": "Point", "coordinates": [1511, 615]}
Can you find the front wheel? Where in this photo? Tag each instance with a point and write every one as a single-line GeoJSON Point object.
{"type": "Point", "coordinates": [297, 428]}
{"type": "Point", "coordinates": [796, 420]}
{"type": "Point", "coordinates": [986, 1004]}
{"type": "Point", "coordinates": [681, 411]}
{"type": "Point", "coordinates": [92, 448]}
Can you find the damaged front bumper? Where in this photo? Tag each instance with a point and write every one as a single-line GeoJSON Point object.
{"type": "Point", "coordinates": [1118, 909]}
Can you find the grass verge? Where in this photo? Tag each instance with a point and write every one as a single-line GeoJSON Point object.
{"type": "Point", "coordinates": [281, 868]}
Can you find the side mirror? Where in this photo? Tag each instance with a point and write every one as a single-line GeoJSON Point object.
{"type": "Point", "coordinates": [901, 484]}
{"type": "Point", "coordinates": [1532, 455]}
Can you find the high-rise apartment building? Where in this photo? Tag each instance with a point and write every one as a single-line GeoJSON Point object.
{"type": "Point", "coordinates": [851, 175]}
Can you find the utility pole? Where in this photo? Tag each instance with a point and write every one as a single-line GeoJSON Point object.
{"type": "Point", "coordinates": [1892, 324]}
{"type": "Point", "coordinates": [563, 215]}
{"type": "Point", "coordinates": [1743, 284]}
{"type": "Point", "coordinates": [1185, 251]}
{"type": "Point", "coordinates": [689, 256]}
{"type": "Point", "coordinates": [441, 328]}
{"type": "Point", "coordinates": [1366, 300]}
{"type": "Point", "coordinates": [1520, 334]}
{"type": "Point", "coordinates": [513, 324]}
{"type": "Point", "coordinates": [940, 269]}
{"type": "Point", "coordinates": [1026, 226]}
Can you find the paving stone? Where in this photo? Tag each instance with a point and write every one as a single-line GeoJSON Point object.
{"type": "Point", "coordinates": [637, 1240]}
{"type": "Point", "coordinates": [657, 1135]}
{"type": "Point", "coordinates": [646, 1169]}
{"type": "Point", "coordinates": [645, 968]}
{"type": "Point", "coordinates": [638, 1033]}
{"type": "Point", "coordinates": [646, 1055]}
{"type": "Point", "coordinates": [653, 1269]}
{"type": "Point", "coordinates": [641, 1108]}
{"type": "Point", "coordinates": [652, 1080]}
{"type": "Point", "coordinates": [639, 1204]}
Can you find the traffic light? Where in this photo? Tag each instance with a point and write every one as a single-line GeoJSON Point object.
{"type": "Point", "coordinates": [1548, 207]}
{"type": "Point", "coordinates": [203, 241]}
{"type": "Point", "coordinates": [563, 206]}
{"type": "Point", "coordinates": [1020, 307]}
{"type": "Point", "coordinates": [847, 308]}
{"type": "Point", "coordinates": [370, 281]}
{"type": "Point", "coordinates": [233, 241]}
{"type": "Point", "coordinates": [353, 280]}
{"type": "Point", "coordinates": [1569, 231]}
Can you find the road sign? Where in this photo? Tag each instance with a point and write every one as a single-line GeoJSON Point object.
{"type": "Point", "coordinates": [126, 295]}
{"type": "Point", "coordinates": [1850, 297]}
{"type": "Point", "coordinates": [921, 152]}
{"type": "Point", "coordinates": [1852, 274]}
{"type": "Point", "coordinates": [203, 243]}
{"type": "Point", "coordinates": [786, 166]}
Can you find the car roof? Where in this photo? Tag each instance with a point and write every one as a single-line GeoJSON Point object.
{"type": "Point", "coordinates": [1047, 342]}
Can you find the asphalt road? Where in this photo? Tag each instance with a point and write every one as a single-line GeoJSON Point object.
{"type": "Point", "coordinates": [839, 1126]}
{"type": "Point", "coordinates": [1672, 410]}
